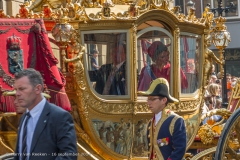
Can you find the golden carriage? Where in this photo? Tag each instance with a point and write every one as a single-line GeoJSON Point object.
{"type": "Point", "coordinates": [113, 125]}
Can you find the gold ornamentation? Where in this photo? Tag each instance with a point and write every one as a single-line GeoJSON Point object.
{"type": "Point", "coordinates": [2, 14]}
{"type": "Point", "coordinates": [141, 107]}
{"type": "Point", "coordinates": [209, 58]}
{"type": "Point", "coordinates": [207, 17]}
{"type": "Point", "coordinates": [205, 155]}
{"type": "Point", "coordinates": [220, 23]}
{"type": "Point", "coordinates": [77, 10]}
{"type": "Point", "coordinates": [206, 134]}
{"type": "Point", "coordinates": [222, 112]}
{"type": "Point", "coordinates": [23, 11]}
{"type": "Point", "coordinates": [186, 106]}
{"type": "Point", "coordinates": [37, 5]}
{"type": "Point", "coordinates": [176, 10]}
{"type": "Point", "coordinates": [106, 11]}
{"type": "Point", "coordinates": [75, 53]}
{"type": "Point", "coordinates": [133, 10]}
{"type": "Point", "coordinates": [47, 12]}
{"type": "Point", "coordinates": [107, 107]}
{"type": "Point", "coordinates": [220, 38]}
{"type": "Point", "coordinates": [165, 5]}
{"type": "Point", "coordinates": [191, 15]}
{"type": "Point", "coordinates": [176, 62]}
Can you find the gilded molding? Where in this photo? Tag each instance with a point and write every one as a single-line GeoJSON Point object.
{"type": "Point", "coordinates": [141, 107]}
{"type": "Point", "coordinates": [176, 57]}
{"type": "Point", "coordinates": [4, 145]}
{"type": "Point", "coordinates": [205, 155]}
{"type": "Point", "coordinates": [77, 11]}
{"type": "Point", "coordinates": [134, 55]}
{"type": "Point", "coordinates": [186, 106]}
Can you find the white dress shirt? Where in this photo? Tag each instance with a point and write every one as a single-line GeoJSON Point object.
{"type": "Point", "coordinates": [119, 65]}
{"type": "Point", "coordinates": [32, 122]}
{"type": "Point", "coordinates": [157, 117]}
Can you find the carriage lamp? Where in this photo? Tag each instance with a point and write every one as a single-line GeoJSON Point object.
{"type": "Point", "coordinates": [62, 32]}
{"type": "Point", "coordinates": [221, 39]}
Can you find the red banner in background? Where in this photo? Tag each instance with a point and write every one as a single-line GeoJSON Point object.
{"type": "Point", "coordinates": [36, 53]}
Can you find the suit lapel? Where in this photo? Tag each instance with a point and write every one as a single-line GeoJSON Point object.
{"type": "Point", "coordinates": [42, 121]}
{"type": "Point", "coordinates": [19, 129]}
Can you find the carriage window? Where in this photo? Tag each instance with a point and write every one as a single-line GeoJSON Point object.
{"type": "Point", "coordinates": [153, 58]}
{"type": "Point", "coordinates": [189, 62]}
{"type": "Point", "coordinates": [106, 58]}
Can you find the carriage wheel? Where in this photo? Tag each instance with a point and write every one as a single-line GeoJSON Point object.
{"type": "Point", "coordinates": [228, 145]}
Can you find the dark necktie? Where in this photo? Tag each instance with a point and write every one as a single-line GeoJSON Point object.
{"type": "Point", "coordinates": [109, 81]}
{"type": "Point", "coordinates": [24, 137]}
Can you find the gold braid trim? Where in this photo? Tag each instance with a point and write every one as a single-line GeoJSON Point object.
{"type": "Point", "coordinates": [171, 127]}
{"type": "Point", "coordinates": [56, 91]}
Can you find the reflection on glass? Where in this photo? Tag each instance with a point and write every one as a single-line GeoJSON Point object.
{"type": "Point", "coordinates": [189, 61]}
{"type": "Point", "coordinates": [94, 62]}
{"type": "Point", "coordinates": [107, 68]}
{"type": "Point", "coordinates": [154, 59]}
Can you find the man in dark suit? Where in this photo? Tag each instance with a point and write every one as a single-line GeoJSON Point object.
{"type": "Point", "coordinates": [46, 131]}
{"type": "Point", "coordinates": [111, 78]}
{"type": "Point", "coordinates": [166, 130]}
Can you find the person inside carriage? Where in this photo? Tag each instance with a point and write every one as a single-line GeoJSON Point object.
{"type": "Point", "coordinates": [111, 78]}
{"type": "Point", "coordinates": [160, 68]}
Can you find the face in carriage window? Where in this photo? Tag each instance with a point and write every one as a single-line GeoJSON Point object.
{"type": "Point", "coordinates": [109, 75]}
{"type": "Point", "coordinates": [154, 54]}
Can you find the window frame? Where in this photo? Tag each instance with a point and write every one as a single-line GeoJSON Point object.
{"type": "Point", "coordinates": [140, 33]}
{"type": "Point", "coordinates": [86, 67]}
{"type": "Point", "coordinates": [196, 92]}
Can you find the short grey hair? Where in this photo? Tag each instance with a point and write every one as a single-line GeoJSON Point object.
{"type": "Point", "coordinates": [33, 75]}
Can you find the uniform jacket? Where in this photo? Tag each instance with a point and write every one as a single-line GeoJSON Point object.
{"type": "Point", "coordinates": [54, 136]}
{"type": "Point", "coordinates": [118, 86]}
{"type": "Point", "coordinates": [169, 139]}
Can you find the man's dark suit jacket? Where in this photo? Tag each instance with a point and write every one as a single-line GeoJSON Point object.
{"type": "Point", "coordinates": [54, 135]}
{"type": "Point", "coordinates": [119, 82]}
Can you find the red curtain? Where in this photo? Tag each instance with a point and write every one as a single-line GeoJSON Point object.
{"type": "Point", "coordinates": [37, 53]}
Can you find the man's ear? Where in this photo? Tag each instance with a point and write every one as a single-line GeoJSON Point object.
{"type": "Point", "coordinates": [165, 99]}
{"type": "Point", "coordinates": [38, 88]}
